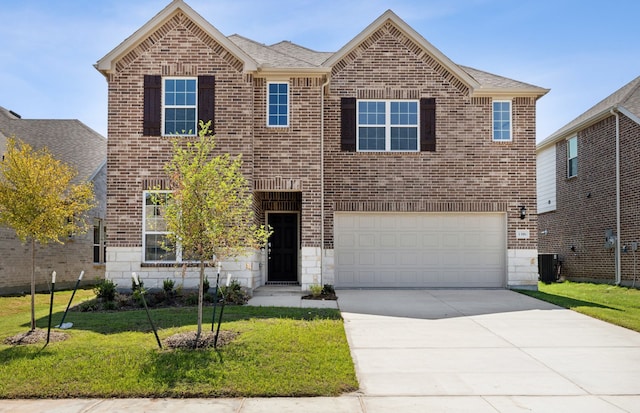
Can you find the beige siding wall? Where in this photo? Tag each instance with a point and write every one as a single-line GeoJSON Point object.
{"type": "Point", "coordinates": [546, 179]}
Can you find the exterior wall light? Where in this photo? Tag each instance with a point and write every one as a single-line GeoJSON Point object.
{"type": "Point", "coordinates": [523, 212]}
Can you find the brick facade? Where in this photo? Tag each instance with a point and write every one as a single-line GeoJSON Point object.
{"type": "Point", "coordinates": [467, 173]}
{"type": "Point", "coordinates": [586, 203]}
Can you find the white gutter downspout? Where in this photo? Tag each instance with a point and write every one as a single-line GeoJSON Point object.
{"type": "Point", "coordinates": [325, 84]}
{"type": "Point", "coordinates": [614, 112]}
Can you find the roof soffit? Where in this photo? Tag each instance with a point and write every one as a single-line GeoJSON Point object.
{"type": "Point", "coordinates": [411, 34]}
{"type": "Point", "coordinates": [107, 64]}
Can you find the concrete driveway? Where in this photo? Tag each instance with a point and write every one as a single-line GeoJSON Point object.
{"type": "Point", "coordinates": [486, 351]}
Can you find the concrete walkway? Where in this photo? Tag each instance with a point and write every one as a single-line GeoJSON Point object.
{"type": "Point", "coordinates": [444, 351]}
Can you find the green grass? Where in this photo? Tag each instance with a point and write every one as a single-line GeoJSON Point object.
{"type": "Point", "coordinates": [279, 352]}
{"type": "Point", "coordinates": [616, 305]}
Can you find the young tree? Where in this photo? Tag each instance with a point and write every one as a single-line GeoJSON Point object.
{"type": "Point", "coordinates": [39, 201]}
{"type": "Point", "coordinates": [209, 214]}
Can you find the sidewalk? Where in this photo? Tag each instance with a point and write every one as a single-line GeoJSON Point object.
{"type": "Point", "coordinates": [442, 351]}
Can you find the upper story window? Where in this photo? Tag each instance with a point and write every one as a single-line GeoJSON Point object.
{"type": "Point", "coordinates": [572, 157]}
{"type": "Point", "coordinates": [155, 242]}
{"type": "Point", "coordinates": [180, 106]}
{"type": "Point", "coordinates": [502, 120]}
{"type": "Point", "coordinates": [277, 104]}
{"type": "Point", "coordinates": [387, 125]}
{"type": "Point", "coordinates": [174, 105]}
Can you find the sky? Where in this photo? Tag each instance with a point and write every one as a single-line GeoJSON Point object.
{"type": "Point", "coordinates": [583, 50]}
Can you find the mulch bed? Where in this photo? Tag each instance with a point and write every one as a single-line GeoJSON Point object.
{"type": "Point", "coordinates": [187, 341]}
{"type": "Point", "coordinates": [320, 297]}
{"type": "Point", "coordinates": [177, 341]}
{"type": "Point", "coordinates": [36, 336]}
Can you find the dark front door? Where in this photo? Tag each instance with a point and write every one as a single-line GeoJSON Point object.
{"type": "Point", "coordinates": [283, 250]}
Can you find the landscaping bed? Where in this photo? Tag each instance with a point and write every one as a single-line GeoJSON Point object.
{"type": "Point", "coordinates": [266, 352]}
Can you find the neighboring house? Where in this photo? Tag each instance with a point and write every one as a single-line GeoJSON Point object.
{"type": "Point", "coordinates": [383, 164]}
{"type": "Point", "coordinates": [589, 190]}
{"type": "Point", "coordinates": [73, 143]}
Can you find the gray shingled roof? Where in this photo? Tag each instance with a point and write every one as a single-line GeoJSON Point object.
{"type": "Point", "coordinates": [271, 56]}
{"type": "Point", "coordinates": [489, 80]}
{"type": "Point", "coordinates": [302, 53]}
{"type": "Point", "coordinates": [68, 140]}
{"type": "Point", "coordinates": [627, 97]}
{"type": "Point", "coordinates": [286, 54]}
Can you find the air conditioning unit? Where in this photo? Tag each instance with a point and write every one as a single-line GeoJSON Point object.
{"type": "Point", "coordinates": [548, 267]}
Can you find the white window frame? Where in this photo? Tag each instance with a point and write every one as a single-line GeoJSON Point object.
{"type": "Point", "coordinates": [387, 125]}
{"type": "Point", "coordinates": [100, 242]}
{"type": "Point", "coordinates": [493, 121]}
{"type": "Point", "coordinates": [269, 125]}
{"type": "Point", "coordinates": [146, 232]}
{"type": "Point", "coordinates": [572, 158]}
{"type": "Point", "coordinates": [194, 132]}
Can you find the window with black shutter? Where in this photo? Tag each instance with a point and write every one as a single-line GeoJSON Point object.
{"type": "Point", "coordinates": [175, 105]}
{"type": "Point", "coordinates": [375, 125]}
{"type": "Point", "coordinates": [427, 125]}
{"type": "Point", "coordinates": [348, 124]}
{"type": "Point", "coordinates": [206, 100]}
{"type": "Point", "coordinates": [152, 105]}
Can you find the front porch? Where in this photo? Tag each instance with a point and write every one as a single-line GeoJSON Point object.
{"type": "Point", "coordinates": [287, 260]}
{"type": "Point", "coordinates": [286, 296]}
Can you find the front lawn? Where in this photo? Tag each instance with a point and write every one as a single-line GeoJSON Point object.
{"type": "Point", "coordinates": [278, 352]}
{"type": "Point", "coordinates": [616, 305]}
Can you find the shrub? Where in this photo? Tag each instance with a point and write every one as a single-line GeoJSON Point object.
{"type": "Point", "coordinates": [206, 285]}
{"type": "Point", "coordinates": [328, 289]}
{"type": "Point", "coordinates": [168, 286]}
{"type": "Point", "coordinates": [315, 289]}
{"type": "Point", "coordinates": [191, 299]}
{"type": "Point", "coordinates": [105, 290]}
{"type": "Point", "coordinates": [234, 294]}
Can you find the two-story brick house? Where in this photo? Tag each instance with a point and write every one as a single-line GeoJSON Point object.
{"type": "Point", "coordinates": [589, 191]}
{"type": "Point", "coordinates": [383, 164]}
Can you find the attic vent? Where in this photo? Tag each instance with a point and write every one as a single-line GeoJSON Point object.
{"type": "Point", "coordinates": [15, 114]}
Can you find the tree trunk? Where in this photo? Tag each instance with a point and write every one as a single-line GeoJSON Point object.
{"type": "Point", "coordinates": [33, 284]}
{"type": "Point", "coordinates": [200, 302]}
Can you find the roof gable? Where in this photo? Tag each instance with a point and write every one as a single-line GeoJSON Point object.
{"type": "Point", "coordinates": [287, 58]}
{"type": "Point", "coordinates": [412, 40]}
{"type": "Point", "coordinates": [626, 100]}
{"type": "Point", "coordinates": [107, 64]}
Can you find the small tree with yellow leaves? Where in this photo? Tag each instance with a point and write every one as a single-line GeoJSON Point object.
{"type": "Point", "coordinates": [39, 201]}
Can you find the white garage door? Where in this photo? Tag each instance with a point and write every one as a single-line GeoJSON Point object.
{"type": "Point", "coordinates": [420, 250]}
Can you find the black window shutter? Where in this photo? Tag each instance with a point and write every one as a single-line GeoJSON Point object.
{"type": "Point", "coordinates": [428, 124]}
{"type": "Point", "coordinates": [152, 105]}
{"type": "Point", "coordinates": [206, 101]}
{"type": "Point", "coordinates": [348, 124]}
